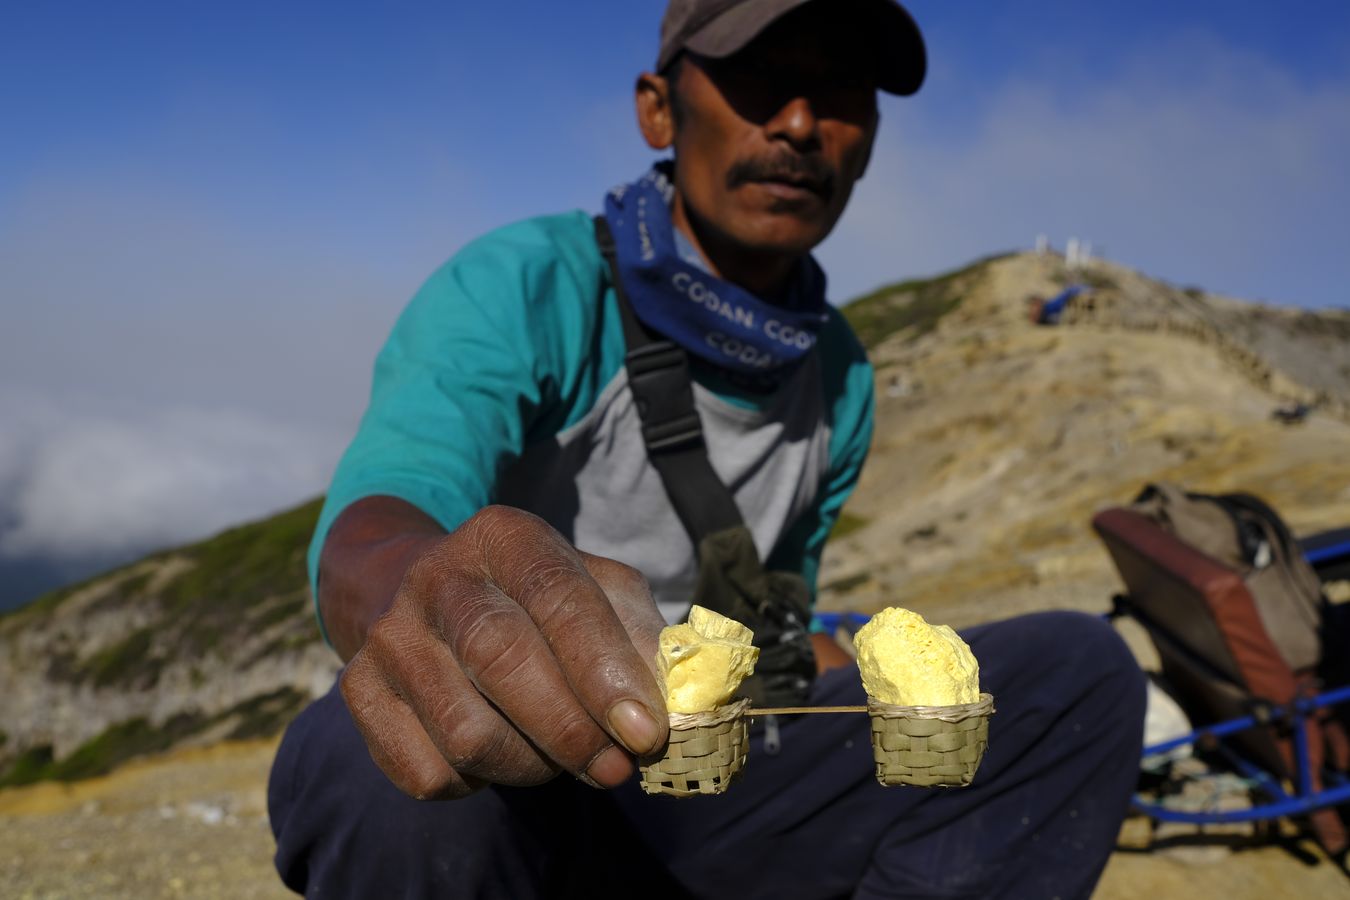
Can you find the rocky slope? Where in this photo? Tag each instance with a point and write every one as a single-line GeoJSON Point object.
{"type": "Point", "coordinates": [192, 646]}
{"type": "Point", "coordinates": [997, 439]}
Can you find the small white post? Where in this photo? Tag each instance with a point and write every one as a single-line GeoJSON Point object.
{"type": "Point", "coordinates": [1042, 244]}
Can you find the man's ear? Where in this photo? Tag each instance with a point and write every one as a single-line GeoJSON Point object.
{"type": "Point", "coordinates": [656, 119]}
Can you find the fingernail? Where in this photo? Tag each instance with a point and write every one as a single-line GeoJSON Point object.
{"type": "Point", "coordinates": [633, 724]}
{"type": "Point", "coordinates": [610, 768]}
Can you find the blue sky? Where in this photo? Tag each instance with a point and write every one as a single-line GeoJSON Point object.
{"type": "Point", "coordinates": [210, 213]}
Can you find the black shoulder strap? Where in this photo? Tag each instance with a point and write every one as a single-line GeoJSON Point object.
{"type": "Point", "coordinates": [658, 376]}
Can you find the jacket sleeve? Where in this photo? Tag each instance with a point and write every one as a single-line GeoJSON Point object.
{"type": "Point", "coordinates": [475, 363]}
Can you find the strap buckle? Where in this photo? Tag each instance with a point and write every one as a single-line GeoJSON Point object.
{"type": "Point", "coordinates": [674, 435]}
{"type": "Point", "coordinates": [658, 376]}
{"type": "Point", "coordinates": [654, 357]}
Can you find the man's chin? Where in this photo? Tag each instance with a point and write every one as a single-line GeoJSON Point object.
{"type": "Point", "coordinates": [783, 233]}
{"type": "Point", "coordinates": [785, 195]}
{"type": "Point", "coordinates": [778, 198]}
{"type": "Point", "coordinates": [771, 226]}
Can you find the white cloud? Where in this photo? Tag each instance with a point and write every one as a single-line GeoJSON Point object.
{"type": "Point", "coordinates": [81, 484]}
{"type": "Point", "coordinates": [130, 290]}
{"type": "Point", "coordinates": [1193, 161]}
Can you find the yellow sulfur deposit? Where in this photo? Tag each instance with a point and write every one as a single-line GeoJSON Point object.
{"type": "Point", "coordinates": [907, 662]}
{"type": "Point", "coordinates": [703, 662]}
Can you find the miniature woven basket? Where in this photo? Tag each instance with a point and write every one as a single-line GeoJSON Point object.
{"type": "Point", "coordinates": [930, 746]}
{"type": "Point", "coordinates": [706, 751]}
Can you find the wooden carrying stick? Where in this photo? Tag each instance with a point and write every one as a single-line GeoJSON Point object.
{"type": "Point", "coordinates": [794, 710]}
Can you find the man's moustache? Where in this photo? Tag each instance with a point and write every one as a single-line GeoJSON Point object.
{"type": "Point", "coordinates": [811, 170]}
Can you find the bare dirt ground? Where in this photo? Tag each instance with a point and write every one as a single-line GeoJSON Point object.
{"type": "Point", "coordinates": [193, 824]}
{"type": "Point", "coordinates": [190, 824]}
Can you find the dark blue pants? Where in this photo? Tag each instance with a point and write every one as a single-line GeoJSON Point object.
{"type": "Point", "coordinates": [811, 821]}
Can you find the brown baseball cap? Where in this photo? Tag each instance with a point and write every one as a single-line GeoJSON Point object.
{"type": "Point", "coordinates": [719, 28]}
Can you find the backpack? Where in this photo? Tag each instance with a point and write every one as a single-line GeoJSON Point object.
{"type": "Point", "coordinates": [1236, 614]}
{"type": "Point", "coordinates": [1243, 533]}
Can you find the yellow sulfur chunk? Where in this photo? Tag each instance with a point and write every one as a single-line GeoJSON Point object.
{"type": "Point", "coordinates": [715, 625]}
{"type": "Point", "coordinates": [703, 662]}
{"type": "Point", "coordinates": [907, 662]}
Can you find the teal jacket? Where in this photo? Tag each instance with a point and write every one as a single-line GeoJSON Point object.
{"type": "Point", "coordinates": [503, 382]}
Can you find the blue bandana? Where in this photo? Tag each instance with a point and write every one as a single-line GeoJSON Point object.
{"type": "Point", "coordinates": [711, 318]}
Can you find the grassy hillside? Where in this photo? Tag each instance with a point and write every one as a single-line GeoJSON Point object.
{"type": "Point", "coordinates": [913, 307]}
{"type": "Point", "coordinates": [196, 613]}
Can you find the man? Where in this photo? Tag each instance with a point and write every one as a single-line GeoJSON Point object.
{"type": "Point", "coordinates": [503, 542]}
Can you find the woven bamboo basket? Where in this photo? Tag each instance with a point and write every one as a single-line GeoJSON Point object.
{"type": "Point", "coordinates": [706, 752]}
{"type": "Point", "coordinates": [930, 746]}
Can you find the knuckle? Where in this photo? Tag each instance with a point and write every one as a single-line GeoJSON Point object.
{"type": "Point", "coordinates": [625, 580]}
{"type": "Point", "coordinates": [427, 783]}
{"type": "Point", "coordinates": [366, 682]}
{"type": "Point", "coordinates": [473, 744]}
{"type": "Point", "coordinates": [448, 708]}
{"type": "Point", "coordinates": [554, 592]}
{"type": "Point", "coordinates": [386, 649]}
{"type": "Point", "coordinates": [480, 625]}
{"type": "Point", "coordinates": [381, 636]}
{"type": "Point", "coordinates": [427, 573]}
{"type": "Point", "coordinates": [355, 685]}
{"type": "Point", "coordinates": [507, 534]}
{"type": "Point", "coordinates": [563, 596]}
{"type": "Point", "coordinates": [492, 649]}
{"type": "Point", "coordinates": [579, 740]}
{"type": "Point", "coordinates": [534, 771]}
{"type": "Point", "coordinates": [496, 513]}
{"type": "Point", "coordinates": [500, 523]}
{"type": "Point", "coordinates": [447, 594]}
{"type": "Point", "coordinates": [438, 569]}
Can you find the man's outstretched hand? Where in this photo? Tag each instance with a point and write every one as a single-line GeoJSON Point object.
{"type": "Point", "coordinates": [505, 657]}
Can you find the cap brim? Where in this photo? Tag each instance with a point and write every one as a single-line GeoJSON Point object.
{"type": "Point", "coordinates": [902, 62]}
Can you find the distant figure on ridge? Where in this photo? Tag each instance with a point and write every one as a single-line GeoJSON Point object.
{"type": "Point", "coordinates": [1048, 312]}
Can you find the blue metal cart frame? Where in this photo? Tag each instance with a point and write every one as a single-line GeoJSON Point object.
{"type": "Point", "coordinates": [1278, 801]}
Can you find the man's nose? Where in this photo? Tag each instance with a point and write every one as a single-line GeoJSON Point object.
{"type": "Point", "coordinates": [797, 123]}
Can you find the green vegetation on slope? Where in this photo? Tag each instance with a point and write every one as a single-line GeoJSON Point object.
{"type": "Point", "coordinates": [231, 587]}
{"type": "Point", "coordinates": [244, 566]}
{"type": "Point", "coordinates": [917, 305]}
{"type": "Point", "coordinates": [124, 660]}
{"type": "Point", "coordinates": [238, 567]}
{"type": "Point", "coordinates": [33, 765]}
{"type": "Point", "coordinates": [256, 717]}
{"type": "Point", "coordinates": [243, 581]}
{"type": "Point", "coordinates": [46, 603]}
